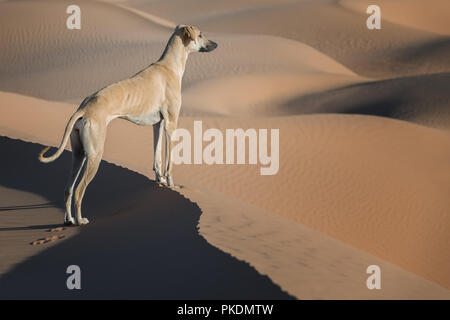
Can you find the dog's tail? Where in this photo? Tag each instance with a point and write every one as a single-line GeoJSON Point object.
{"type": "Point", "coordinates": [77, 115]}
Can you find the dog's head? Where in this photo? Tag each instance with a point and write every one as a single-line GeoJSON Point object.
{"type": "Point", "coordinates": [194, 40]}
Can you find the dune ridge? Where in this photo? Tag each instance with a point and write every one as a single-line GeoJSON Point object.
{"type": "Point", "coordinates": [320, 173]}
{"type": "Point", "coordinates": [53, 76]}
{"type": "Point", "coordinates": [139, 239]}
{"type": "Point", "coordinates": [331, 28]}
{"type": "Point", "coordinates": [423, 99]}
{"type": "Point", "coordinates": [150, 17]}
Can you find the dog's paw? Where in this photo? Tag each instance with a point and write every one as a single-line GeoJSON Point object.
{"type": "Point", "coordinates": [170, 183]}
{"type": "Point", "coordinates": [69, 222]}
{"type": "Point", "coordinates": [161, 181]}
{"type": "Point", "coordinates": [83, 221]}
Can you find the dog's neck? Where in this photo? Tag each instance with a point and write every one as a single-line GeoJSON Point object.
{"type": "Point", "coordinates": [175, 56]}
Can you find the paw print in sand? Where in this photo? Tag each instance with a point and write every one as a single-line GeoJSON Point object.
{"type": "Point", "coordinates": [49, 239]}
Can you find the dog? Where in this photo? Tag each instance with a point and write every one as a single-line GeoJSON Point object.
{"type": "Point", "coordinates": [151, 97]}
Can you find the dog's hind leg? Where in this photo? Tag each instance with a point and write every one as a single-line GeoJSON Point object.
{"type": "Point", "coordinates": [78, 160]}
{"type": "Point", "coordinates": [92, 165]}
{"type": "Point", "coordinates": [93, 139]}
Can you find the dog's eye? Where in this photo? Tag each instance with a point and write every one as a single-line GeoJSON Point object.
{"type": "Point", "coordinates": [200, 36]}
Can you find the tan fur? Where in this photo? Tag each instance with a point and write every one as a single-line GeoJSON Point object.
{"type": "Point", "coordinates": [151, 97]}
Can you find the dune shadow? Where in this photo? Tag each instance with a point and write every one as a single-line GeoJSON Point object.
{"type": "Point", "coordinates": [21, 170]}
{"type": "Point", "coordinates": [400, 98]}
{"type": "Point", "coordinates": [37, 227]}
{"type": "Point", "coordinates": [143, 242]}
{"type": "Point", "coordinates": [28, 206]}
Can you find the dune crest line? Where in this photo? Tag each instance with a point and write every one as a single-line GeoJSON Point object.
{"type": "Point", "coordinates": [155, 19]}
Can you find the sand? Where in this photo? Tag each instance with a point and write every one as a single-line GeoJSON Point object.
{"type": "Point", "coordinates": [364, 172]}
{"type": "Point", "coordinates": [336, 28]}
{"type": "Point", "coordinates": [409, 13]}
{"type": "Point", "coordinates": [146, 249]}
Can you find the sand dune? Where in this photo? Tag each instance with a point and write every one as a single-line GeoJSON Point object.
{"type": "Point", "coordinates": [156, 246]}
{"type": "Point", "coordinates": [31, 202]}
{"type": "Point", "coordinates": [306, 263]}
{"type": "Point", "coordinates": [134, 225]}
{"type": "Point", "coordinates": [411, 13]}
{"type": "Point", "coordinates": [386, 177]}
{"type": "Point", "coordinates": [183, 10]}
{"type": "Point", "coordinates": [258, 77]}
{"type": "Point", "coordinates": [287, 70]}
{"type": "Point", "coordinates": [26, 217]}
{"type": "Point", "coordinates": [423, 99]}
{"type": "Point", "coordinates": [67, 77]}
{"type": "Point", "coordinates": [60, 64]}
{"type": "Point", "coordinates": [331, 28]}
{"type": "Point", "coordinates": [362, 189]}
{"type": "Point", "coordinates": [264, 94]}
{"type": "Point", "coordinates": [371, 182]}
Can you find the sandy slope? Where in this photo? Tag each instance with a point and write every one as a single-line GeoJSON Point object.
{"type": "Point", "coordinates": [143, 242]}
{"type": "Point", "coordinates": [26, 217]}
{"type": "Point", "coordinates": [306, 263]}
{"type": "Point", "coordinates": [371, 182]}
{"type": "Point", "coordinates": [80, 62]}
{"type": "Point", "coordinates": [411, 13]}
{"type": "Point", "coordinates": [148, 235]}
{"type": "Point", "coordinates": [424, 99]}
{"type": "Point", "coordinates": [376, 184]}
{"type": "Point", "coordinates": [31, 203]}
{"type": "Point", "coordinates": [267, 75]}
{"type": "Point", "coordinates": [46, 59]}
{"type": "Point", "coordinates": [331, 28]}
{"type": "Point", "coordinates": [338, 184]}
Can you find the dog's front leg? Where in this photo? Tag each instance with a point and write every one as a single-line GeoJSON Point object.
{"type": "Point", "coordinates": [169, 129]}
{"type": "Point", "coordinates": [157, 154]}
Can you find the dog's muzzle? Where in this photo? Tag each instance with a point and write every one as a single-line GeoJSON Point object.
{"type": "Point", "coordinates": [209, 47]}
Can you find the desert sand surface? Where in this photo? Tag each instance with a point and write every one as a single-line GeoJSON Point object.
{"type": "Point", "coordinates": [411, 13]}
{"type": "Point", "coordinates": [423, 99]}
{"type": "Point", "coordinates": [141, 240]}
{"type": "Point", "coordinates": [364, 172]}
{"type": "Point", "coordinates": [336, 28]}
{"type": "Point", "coordinates": [147, 249]}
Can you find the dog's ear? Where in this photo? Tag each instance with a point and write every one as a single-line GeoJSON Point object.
{"type": "Point", "coordinates": [187, 34]}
